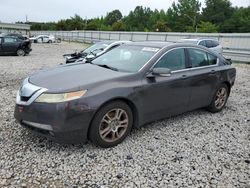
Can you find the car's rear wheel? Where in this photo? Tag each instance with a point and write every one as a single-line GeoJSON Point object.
{"type": "Point", "coordinates": [111, 124]}
{"type": "Point", "coordinates": [20, 52]}
{"type": "Point", "coordinates": [219, 99]}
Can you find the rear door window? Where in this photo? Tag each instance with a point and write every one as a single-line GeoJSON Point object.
{"type": "Point", "coordinates": [198, 58]}
{"type": "Point", "coordinates": [215, 43]}
{"type": "Point", "coordinates": [212, 59]}
{"type": "Point", "coordinates": [173, 60]}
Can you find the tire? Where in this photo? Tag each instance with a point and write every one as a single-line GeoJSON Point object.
{"type": "Point", "coordinates": [111, 124]}
{"type": "Point", "coordinates": [50, 41]}
{"type": "Point", "coordinates": [219, 99]}
{"type": "Point", "coordinates": [20, 52]}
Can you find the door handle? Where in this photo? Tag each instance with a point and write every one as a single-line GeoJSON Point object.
{"type": "Point", "coordinates": [212, 72]}
{"type": "Point", "coordinates": [184, 76]}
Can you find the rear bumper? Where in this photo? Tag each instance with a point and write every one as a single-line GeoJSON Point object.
{"type": "Point", "coordinates": [64, 122]}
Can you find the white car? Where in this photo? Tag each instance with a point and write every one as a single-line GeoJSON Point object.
{"type": "Point", "coordinates": [212, 44]}
{"type": "Point", "coordinates": [93, 51]}
{"type": "Point", "coordinates": [43, 39]}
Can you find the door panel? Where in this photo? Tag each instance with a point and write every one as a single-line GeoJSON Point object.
{"type": "Point", "coordinates": [204, 77]}
{"type": "Point", "coordinates": [9, 45]}
{"type": "Point", "coordinates": [165, 96]}
{"type": "Point", "coordinates": [203, 83]}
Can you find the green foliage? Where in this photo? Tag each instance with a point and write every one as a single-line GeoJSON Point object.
{"type": "Point", "coordinates": [182, 16]}
{"type": "Point", "coordinates": [207, 27]}
{"type": "Point", "coordinates": [92, 25]}
{"type": "Point", "coordinates": [113, 17]}
{"type": "Point", "coordinates": [118, 26]}
{"type": "Point", "coordinates": [217, 11]}
{"type": "Point", "coordinates": [139, 19]}
{"type": "Point", "coordinates": [161, 26]}
{"type": "Point", "coordinates": [239, 21]}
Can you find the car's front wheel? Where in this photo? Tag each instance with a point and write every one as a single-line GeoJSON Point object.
{"type": "Point", "coordinates": [111, 124]}
{"type": "Point", "coordinates": [20, 52]}
{"type": "Point", "coordinates": [219, 99]}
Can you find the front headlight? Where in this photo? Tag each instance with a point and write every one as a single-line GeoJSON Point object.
{"type": "Point", "coordinates": [60, 97]}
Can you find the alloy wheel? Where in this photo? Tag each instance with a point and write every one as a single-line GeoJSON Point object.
{"type": "Point", "coordinates": [221, 97]}
{"type": "Point", "coordinates": [114, 125]}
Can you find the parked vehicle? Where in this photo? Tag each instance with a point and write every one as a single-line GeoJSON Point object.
{"type": "Point", "coordinates": [43, 39]}
{"type": "Point", "coordinates": [93, 51]}
{"type": "Point", "coordinates": [20, 36]}
{"type": "Point", "coordinates": [212, 44]}
{"type": "Point", "coordinates": [133, 84]}
{"type": "Point", "coordinates": [10, 45]}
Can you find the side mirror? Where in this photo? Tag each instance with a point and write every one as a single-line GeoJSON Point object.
{"type": "Point", "coordinates": [165, 72]}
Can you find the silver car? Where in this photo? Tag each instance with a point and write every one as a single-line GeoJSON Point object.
{"type": "Point", "coordinates": [212, 44]}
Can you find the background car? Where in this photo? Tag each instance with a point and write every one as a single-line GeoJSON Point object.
{"type": "Point", "coordinates": [10, 45]}
{"type": "Point", "coordinates": [43, 39]}
{"type": "Point", "coordinates": [20, 36]}
{"type": "Point", "coordinates": [133, 84]}
{"type": "Point", "coordinates": [212, 44]}
{"type": "Point", "coordinates": [93, 51]}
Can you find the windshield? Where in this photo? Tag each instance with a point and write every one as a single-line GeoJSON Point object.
{"type": "Point", "coordinates": [126, 58]}
{"type": "Point", "coordinates": [96, 47]}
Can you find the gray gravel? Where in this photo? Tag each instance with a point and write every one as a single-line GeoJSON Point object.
{"type": "Point", "coordinates": [196, 149]}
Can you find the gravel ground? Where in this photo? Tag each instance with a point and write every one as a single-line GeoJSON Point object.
{"type": "Point", "coordinates": [196, 149]}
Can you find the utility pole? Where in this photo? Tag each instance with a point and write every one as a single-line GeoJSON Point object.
{"type": "Point", "coordinates": [193, 21]}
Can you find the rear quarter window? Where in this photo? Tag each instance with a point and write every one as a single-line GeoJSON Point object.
{"type": "Point", "coordinates": [202, 43]}
{"type": "Point", "coordinates": [215, 43]}
{"type": "Point", "coordinates": [200, 58]}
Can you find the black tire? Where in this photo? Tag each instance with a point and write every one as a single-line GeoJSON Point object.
{"type": "Point", "coordinates": [20, 52]}
{"type": "Point", "coordinates": [214, 107]}
{"type": "Point", "coordinates": [99, 122]}
{"type": "Point", "coordinates": [50, 41]}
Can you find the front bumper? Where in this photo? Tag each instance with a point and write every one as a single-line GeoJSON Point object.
{"type": "Point", "coordinates": [63, 122]}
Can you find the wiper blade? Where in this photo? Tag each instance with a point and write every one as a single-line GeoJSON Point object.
{"type": "Point", "coordinates": [108, 67]}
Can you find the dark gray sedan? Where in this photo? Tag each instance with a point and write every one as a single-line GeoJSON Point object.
{"type": "Point", "coordinates": [129, 86]}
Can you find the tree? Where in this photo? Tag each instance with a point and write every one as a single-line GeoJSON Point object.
{"type": "Point", "coordinates": [184, 15]}
{"type": "Point", "coordinates": [76, 23]}
{"type": "Point", "coordinates": [161, 26]}
{"type": "Point", "coordinates": [113, 17]}
{"type": "Point", "coordinates": [207, 27]}
{"type": "Point", "coordinates": [139, 19]}
{"type": "Point", "coordinates": [239, 21]}
{"type": "Point", "coordinates": [118, 26]}
{"type": "Point", "coordinates": [217, 11]}
{"type": "Point", "coordinates": [92, 25]}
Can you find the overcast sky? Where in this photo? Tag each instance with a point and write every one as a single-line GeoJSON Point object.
{"type": "Point", "coordinates": [54, 10]}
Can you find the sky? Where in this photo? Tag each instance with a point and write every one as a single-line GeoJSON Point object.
{"type": "Point", "coordinates": [53, 10]}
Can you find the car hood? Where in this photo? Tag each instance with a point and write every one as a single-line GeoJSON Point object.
{"type": "Point", "coordinates": [73, 77]}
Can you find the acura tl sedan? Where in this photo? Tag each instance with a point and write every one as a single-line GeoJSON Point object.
{"type": "Point", "coordinates": [127, 87]}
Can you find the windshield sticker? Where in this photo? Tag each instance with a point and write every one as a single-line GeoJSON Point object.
{"type": "Point", "coordinates": [148, 49]}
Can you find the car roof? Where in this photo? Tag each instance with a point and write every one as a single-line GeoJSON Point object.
{"type": "Point", "coordinates": [197, 39]}
{"type": "Point", "coordinates": [151, 44]}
